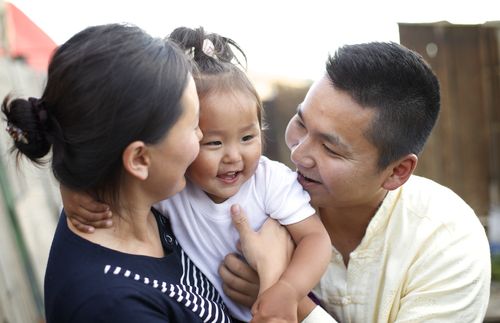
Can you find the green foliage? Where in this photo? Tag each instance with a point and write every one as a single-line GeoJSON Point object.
{"type": "Point", "coordinates": [495, 267]}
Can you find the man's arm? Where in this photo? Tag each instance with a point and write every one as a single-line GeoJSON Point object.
{"type": "Point", "coordinates": [240, 281]}
{"type": "Point", "coordinates": [450, 281]}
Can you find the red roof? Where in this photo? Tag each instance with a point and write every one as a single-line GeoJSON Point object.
{"type": "Point", "coordinates": [26, 40]}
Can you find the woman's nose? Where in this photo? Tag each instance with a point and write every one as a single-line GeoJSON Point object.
{"type": "Point", "coordinates": [199, 134]}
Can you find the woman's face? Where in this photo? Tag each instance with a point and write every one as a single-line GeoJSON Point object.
{"type": "Point", "coordinates": [171, 157]}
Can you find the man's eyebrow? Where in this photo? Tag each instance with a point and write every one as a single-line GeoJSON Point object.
{"type": "Point", "coordinates": [330, 138]}
{"type": "Point", "coordinates": [334, 140]}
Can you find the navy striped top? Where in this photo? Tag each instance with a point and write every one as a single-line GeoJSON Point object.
{"type": "Point", "coordinates": [85, 282]}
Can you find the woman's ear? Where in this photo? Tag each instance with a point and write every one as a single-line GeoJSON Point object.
{"type": "Point", "coordinates": [400, 172]}
{"type": "Point", "coordinates": [136, 160]}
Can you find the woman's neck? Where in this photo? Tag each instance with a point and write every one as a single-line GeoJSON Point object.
{"type": "Point", "coordinates": [133, 222]}
{"type": "Point", "coordinates": [134, 229]}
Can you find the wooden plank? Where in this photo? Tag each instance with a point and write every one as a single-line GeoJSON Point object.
{"type": "Point", "coordinates": [457, 154]}
{"type": "Point", "coordinates": [16, 300]}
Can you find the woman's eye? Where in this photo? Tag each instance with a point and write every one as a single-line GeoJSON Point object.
{"type": "Point", "coordinates": [299, 122]}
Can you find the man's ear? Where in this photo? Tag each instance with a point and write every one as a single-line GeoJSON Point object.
{"type": "Point", "coordinates": [400, 171]}
{"type": "Point", "coordinates": [136, 160]}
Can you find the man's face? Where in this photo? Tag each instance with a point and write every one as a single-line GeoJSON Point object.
{"type": "Point", "coordinates": [336, 163]}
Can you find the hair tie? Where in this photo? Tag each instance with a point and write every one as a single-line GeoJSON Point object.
{"type": "Point", "coordinates": [17, 134]}
{"type": "Point", "coordinates": [208, 48]}
{"type": "Point", "coordinates": [189, 53]}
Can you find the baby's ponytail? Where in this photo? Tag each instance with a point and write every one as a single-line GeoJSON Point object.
{"type": "Point", "coordinates": [209, 51]}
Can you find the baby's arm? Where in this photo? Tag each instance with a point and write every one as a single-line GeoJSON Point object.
{"type": "Point", "coordinates": [84, 212]}
{"type": "Point", "coordinates": [306, 267]}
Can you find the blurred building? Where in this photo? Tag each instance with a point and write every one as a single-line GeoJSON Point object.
{"type": "Point", "coordinates": [463, 151]}
{"type": "Point", "coordinates": [29, 202]}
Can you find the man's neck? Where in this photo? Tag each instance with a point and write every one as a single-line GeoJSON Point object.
{"type": "Point", "coordinates": [347, 226]}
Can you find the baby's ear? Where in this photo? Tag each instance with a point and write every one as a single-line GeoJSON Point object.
{"type": "Point", "coordinates": [136, 160]}
{"type": "Point", "coordinates": [401, 171]}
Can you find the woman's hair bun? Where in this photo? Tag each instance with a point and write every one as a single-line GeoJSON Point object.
{"type": "Point", "coordinates": [27, 126]}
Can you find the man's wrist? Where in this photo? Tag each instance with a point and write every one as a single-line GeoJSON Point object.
{"type": "Point", "coordinates": [267, 279]}
{"type": "Point", "coordinates": [306, 306]}
{"type": "Point", "coordinates": [293, 290]}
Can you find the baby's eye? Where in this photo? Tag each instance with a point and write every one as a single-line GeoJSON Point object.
{"type": "Point", "coordinates": [213, 143]}
{"type": "Point", "coordinates": [247, 137]}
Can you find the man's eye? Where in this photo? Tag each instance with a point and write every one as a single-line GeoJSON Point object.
{"type": "Point", "coordinates": [330, 151]}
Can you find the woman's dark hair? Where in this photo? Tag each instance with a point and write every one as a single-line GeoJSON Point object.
{"type": "Point", "coordinates": [217, 68]}
{"type": "Point", "coordinates": [399, 85]}
{"type": "Point", "coordinates": [107, 86]}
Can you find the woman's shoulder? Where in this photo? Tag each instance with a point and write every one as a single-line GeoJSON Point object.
{"type": "Point", "coordinates": [110, 302]}
{"type": "Point", "coordinates": [88, 281]}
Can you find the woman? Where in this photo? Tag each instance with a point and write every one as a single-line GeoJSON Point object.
{"type": "Point", "coordinates": [120, 112]}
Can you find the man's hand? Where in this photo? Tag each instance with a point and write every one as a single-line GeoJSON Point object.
{"type": "Point", "coordinates": [84, 212]}
{"type": "Point", "coordinates": [277, 304]}
{"type": "Point", "coordinates": [239, 281]}
{"type": "Point", "coordinates": [268, 251]}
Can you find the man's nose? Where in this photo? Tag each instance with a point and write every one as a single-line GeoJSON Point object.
{"type": "Point", "coordinates": [301, 153]}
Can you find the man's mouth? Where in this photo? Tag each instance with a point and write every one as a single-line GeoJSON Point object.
{"type": "Point", "coordinates": [306, 179]}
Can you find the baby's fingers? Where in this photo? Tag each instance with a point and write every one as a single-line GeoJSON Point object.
{"type": "Point", "coordinates": [86, 221]}
{"type": "Point", "coordinates": [81, 227]}
{"type": "Point", "coordinates": [89, 204]}
{"type": "Point", "coordinates": [86, 216]}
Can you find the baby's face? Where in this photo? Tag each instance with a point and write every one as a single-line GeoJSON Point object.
{"type": "Point", "coordinates": [231, 145]}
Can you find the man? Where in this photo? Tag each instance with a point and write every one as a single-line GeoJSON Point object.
{"type": "Point", "coordinates": [404, 248]}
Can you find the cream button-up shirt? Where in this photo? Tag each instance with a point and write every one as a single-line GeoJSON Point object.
{"type": "Point", "coordinates": [424, 258]}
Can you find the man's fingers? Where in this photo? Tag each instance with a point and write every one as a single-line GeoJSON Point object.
{"type": "Point", "coordinates": [238, 297]}
{"type": "Point", "coordinates": [238, 283]}
{"type": "Point", "coordinates": [240, 221]}
{"type": "Point", "coordinates": [240, 268]}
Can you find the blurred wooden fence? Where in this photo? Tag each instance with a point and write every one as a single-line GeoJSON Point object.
{"type": "Point", "coordinates": [463, 152]}
{"type": "Point", "coordinates": [29, 208]}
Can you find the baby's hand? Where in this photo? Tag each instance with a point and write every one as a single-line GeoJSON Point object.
{"type": "Point", "coordinates": [277, 304]}
{"type": "Point", "coordinates": [84, 212]}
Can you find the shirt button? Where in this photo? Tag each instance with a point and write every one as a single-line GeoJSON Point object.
{"type": "Point", "coordinates": [346, 300]}
{"type": "Point", "coordinates": [168, 239]}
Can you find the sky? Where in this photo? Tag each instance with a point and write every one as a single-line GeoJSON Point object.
{"type": "Point", "coordinates": [282, 38]}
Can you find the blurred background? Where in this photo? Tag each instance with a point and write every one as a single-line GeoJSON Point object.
{"type": "Point", "coordinates": [287, 44]}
